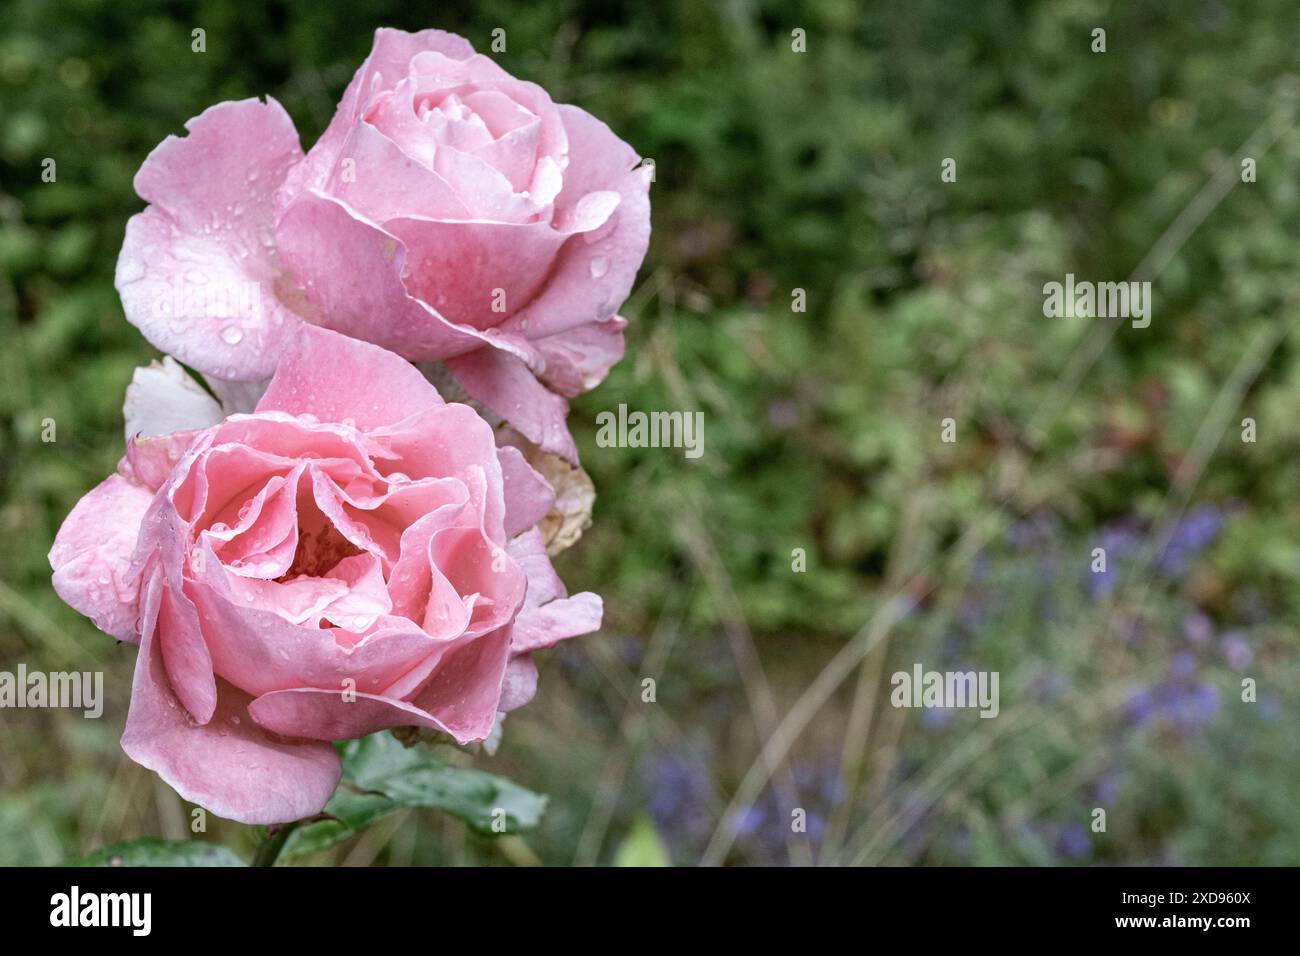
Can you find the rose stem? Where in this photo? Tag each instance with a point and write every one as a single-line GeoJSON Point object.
{"type": "Point", "coordinates": [270, 848]}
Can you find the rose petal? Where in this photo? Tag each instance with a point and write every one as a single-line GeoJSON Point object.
{"type": "Point", "coordinates": [391, 58]}
{"type": "Point", "coordinates": [485, 190]}
{"type": "Point", "coordinates": [184, 653]}
{"type": "Point", "coordinates": [379, 525]}
{"type": "Point", "coordinates": [520, 683]}
{"type": "Point", "coordinates": [544, 585]}
{"type": "Point", "coordinates": [528, 496]}
{"type": "Point", "coordinates": [476, 566]}
{"type": "Point", "coordinates": [517, 133]}
{"type": "Point", "coordinates": [453, 441]}
{"type": "Point", "coordinates": [578, 360]}
{"type": "Point", "coordinates": [377, 179]}
{"type": "Point", "coordinates": [334, 715]}
{"type": "Point", "coordinates": [151, 460]}
{"type": "Point", "coordinates": [464, 692]}
{"type": "Point", "coordinates": [543, 626]}
{"type": "Point", "coordinates": [594, 271]}
{"type": "Point", "coordinates": [475, 273]}
{"type": "Point", "coordinates": [260, 651]}
{"type": "Point", "coordinates": [351, 269]}
{"type": "Point", "coordinates": [505, 385]}
{"type": "Point", "coordinates": [264, 540]}
{"type": "Point", "coordinates": [162, 398]}
{"type": "Point", "coordinates": [366, 597]}
{"type": "Point", "coordinates": [198, 270]}
{"type": "Point", "coordinates": [91, 555]}
{"type": "Point", "coordinates": [337, 378]}
{"type": "Point", "coordinates": [589, 213]}
{"type": "Point", "coordinates": [229, 765]}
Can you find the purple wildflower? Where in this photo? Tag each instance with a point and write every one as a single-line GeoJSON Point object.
{"type": "Point", "coordinates": [1236, 652]}
{"type": "Point", "coordinates": [1190, 536]}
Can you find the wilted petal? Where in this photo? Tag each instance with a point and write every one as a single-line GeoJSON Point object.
{"type": "Point", "coordinates": [162, 398]}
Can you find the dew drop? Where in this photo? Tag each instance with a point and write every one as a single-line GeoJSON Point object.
{"type": "Point", "coordinates": [233, 334]}
{"type": "Point", "coordinates": [599, 266]}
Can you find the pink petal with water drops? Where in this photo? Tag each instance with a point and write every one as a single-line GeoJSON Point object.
{"type": "Point", "coordinates": [578, 360]}
{"type": "Point", "coordinates": [339, 379]}
{"type": "Point", "coordinates": [594, 272]}
{"type": "Point", "coordinates": [199, 274]}
{"type": "Point", "coordinates": [91, 555]}
{"type": "Point", "coordinates": [228, 765]}
{"type": "Point", "coordinates": [508, 387]}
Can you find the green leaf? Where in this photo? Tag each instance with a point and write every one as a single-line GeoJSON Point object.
{"type": "Point", "coordinates": [413, 777]}
{"type": "Point", "coordinates": [150, 851]}
{"type": "Point", "coordinates": [642, 846]}
{"type": "Point", "coordinates": [352, 813]}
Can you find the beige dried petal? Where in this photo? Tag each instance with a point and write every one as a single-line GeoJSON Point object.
{"type": "Point", "coordinates": [575, 496]}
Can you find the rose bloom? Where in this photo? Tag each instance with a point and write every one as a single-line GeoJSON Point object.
{"type": "Point", "coordinates": [353, 555]}
{"type": "Point", "coordinates": [450, 212]}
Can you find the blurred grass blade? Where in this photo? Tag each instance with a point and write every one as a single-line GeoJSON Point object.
{"type": "Point", "coordinates": [150, 851]}
{"type": "Point", "coordinates": [642, 847]}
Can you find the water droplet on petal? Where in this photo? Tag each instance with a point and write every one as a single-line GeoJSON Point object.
{"type": "Point", "coordinates": [599, 266]}
{"type": "Point", "coordinates": [233, 334]}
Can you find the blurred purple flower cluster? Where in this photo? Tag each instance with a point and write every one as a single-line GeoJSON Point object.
{"type": "Point", "coordinates": [681, 801]}
{"type": "Point", "coordinates": [1181, 700]}
{"type": "Point", "coordinates": [1028, 585]}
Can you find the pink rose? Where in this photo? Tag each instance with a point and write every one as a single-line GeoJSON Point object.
{"type": "Point", "coordinates": [450, 212]}
{"type": "Point", "coordinates": [354, 555]}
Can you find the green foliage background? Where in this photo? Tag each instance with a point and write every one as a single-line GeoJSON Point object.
{"type": "Point", "coordinates": [779, 170]}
